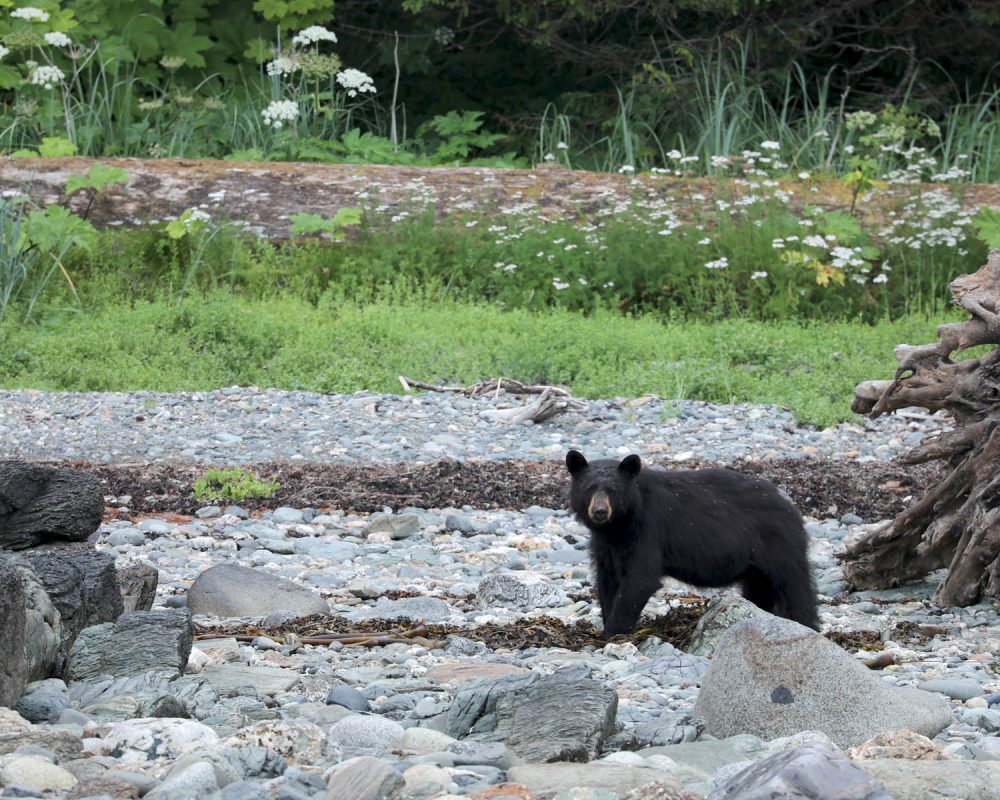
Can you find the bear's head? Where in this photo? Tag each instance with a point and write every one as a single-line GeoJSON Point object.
{"type": "Point", "coordinates": [603, 493]}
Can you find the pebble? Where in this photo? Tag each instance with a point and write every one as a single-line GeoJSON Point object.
{"type": "Point", "coordinates": [281, 716]}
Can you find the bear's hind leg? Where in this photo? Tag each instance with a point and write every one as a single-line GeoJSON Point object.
{"type": "Point", "coordinates": [759, 590]}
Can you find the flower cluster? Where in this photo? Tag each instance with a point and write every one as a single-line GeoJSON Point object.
{"type": "Point", "coordinates": [283, 65]}
{"type": "Point", "coordinates": [279, 112]}
{"type": "Point", "coordinates": [312, 35]}
{"type": "Point", "coordinates": [57, 39]}
{"type": "Point", "coordinates": [30, 13]}
{"type": "Point", "coordinates": [354, 80]}
{"type": "Point", "coordinates": [47, 77]}
{"type": "Point", "coordinates": [3, 51]}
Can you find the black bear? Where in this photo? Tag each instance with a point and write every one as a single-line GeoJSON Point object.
{"type": "Point", "coordinates": [706, 527]}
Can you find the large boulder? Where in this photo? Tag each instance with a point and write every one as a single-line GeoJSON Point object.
{"type": "Point", "coordinates": [40, 503]}
{"type": "Point", "coordinates": [229, 590]}
{"type": "Point", "coordinates": [133, 644]}
{"type": "Point", "coordinates": [772, 677]}
{"type": "Point", "coordinates": [13, 666]}
{"type": "Point", "coordinates": [82, 584]}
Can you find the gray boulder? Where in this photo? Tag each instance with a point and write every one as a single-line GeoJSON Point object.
{"type": "Point", "coordinates": [39, 503]}
{"type": "Point", "coordinates": [43, 701]}
{"type": "Point", "coordinates": [772, 677]}
{"type": "Point", "coordinates": [13, 665]}
{"type": "Point", "coordinates": [134, 644]}
{"type": "Point", "coordinates": [229, 590]}
{"type": "Point", "coordinates": [364, 778]}
{"type": "Point", "coordinates": [561, 717]}
{"type": "Point", "coordinates": [811, 772]}
{"type": "Point", "coordinates": [918, 780]}
{"type": "Point", "coordinates": [722, 613]}
{"type": "Point", "coordinates": [519, 591]}
{"type": "Point", "coordinates": [546, 780]}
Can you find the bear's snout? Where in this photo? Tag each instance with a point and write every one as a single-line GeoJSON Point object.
{"type": "Point", "coordinates": [599, 509]}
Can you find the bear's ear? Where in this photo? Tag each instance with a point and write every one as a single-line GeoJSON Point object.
{"type": "Point", "coordinates": [575, 462]}
{"type": "Point", "coordinates": [631, 465]}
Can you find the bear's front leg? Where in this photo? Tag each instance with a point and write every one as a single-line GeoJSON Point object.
{"type": "Point", "coordinates": [627, 607]}
{"type": "Point", "coordinates": [607, 588]}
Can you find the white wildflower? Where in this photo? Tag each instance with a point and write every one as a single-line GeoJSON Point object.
{"type": "Point", "coordinates": [549, 157]}
{"type": "Point", "coordinates": [47, 77]}
{"type": "Point", "coordinates": [354, 80]}
{"type": "Point", "coordinates": [312, 34]}
{"type": "Point", "coordinates": [881, 278]}
{"type": "Point", "coordinates": [562, 146]}
{"type": "Point", "coordinates": [720, 161]}
{"type": "Point", "coordinates": [756, 276]}
{"type": "Point", "coordinates": [770, 145]}
{"type": "Point", "coordinates": [57, 39]}
{"type": "Point", "coordinates": [279, 112]}
{"type": "Point", "coordinates": [30, 13]}
{"type": "Point", "coordinates": [814, 241]}
{"type": "Point", "coordinates": [706, 240]}
{"type": "Point", "coordinates": [3, 51]}
{"type": "Point", "coordinates": [803, 176]}
{"type": "Point", "coordinates": [282, 65]}
{"type": "Point", "coordinates": [719, 263]}
{"type": "Point", "coordinates": [559, 284]}
{"type": "Point", "coordinates": [626, 169]}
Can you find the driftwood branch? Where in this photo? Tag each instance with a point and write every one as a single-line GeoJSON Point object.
{"type": "Point", "coordinates": [552, 400]}
{"type": "Point", "coordinates": [957, 523]}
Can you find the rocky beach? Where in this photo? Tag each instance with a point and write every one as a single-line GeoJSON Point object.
{"type": "Point", "coordinates": [411, 615]}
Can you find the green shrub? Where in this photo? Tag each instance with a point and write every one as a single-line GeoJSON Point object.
{"type": "Point", "coordinates": [234, 484]}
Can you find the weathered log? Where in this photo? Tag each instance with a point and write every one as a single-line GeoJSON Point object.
{"type": "Point", "coordinates": [40, 503]}
{"type": "Point", "coordinates": [263, 195]}
{"type": "Point", "coordinates": [957, 523]}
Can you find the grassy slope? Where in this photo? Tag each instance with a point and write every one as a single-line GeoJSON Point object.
{"type": "Point", "coordinates": [223, 340]}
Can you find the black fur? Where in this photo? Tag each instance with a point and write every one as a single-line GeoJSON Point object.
{"type": "Point", "coordinates": [706, 527]}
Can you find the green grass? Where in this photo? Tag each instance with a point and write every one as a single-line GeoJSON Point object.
{"type": "Point", "coordinates": [222, 339]}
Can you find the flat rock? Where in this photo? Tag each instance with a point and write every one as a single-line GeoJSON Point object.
{"type": "Point", "coordinates": [138, 586]}
{"type": "Point", "coordinates": [364, 778]}
{"type": "Point", "coordinates": [44, 701]}
{"type": "Point", "coordinates": [546, 780]}
{"type": "Point", "coordinates": [197, 780]}
{"type": "Point", "coordinates": [135, 643]}
{"type": "Point", "coordinates": [772, 677]}
{"type": "Point", "coordinates": [461, 671]}
{"type": "Point", "coordinates": [35, 772]}
{"type": "Point", "coordinates": [298, 741]}
{"type": "Point", "coordinates": [710, 755]}
{"type": "Point", "coordinates": [919, 780]}
{"type": "Point", "coordinates": [398, 526]}
{"type": "Point", "coordinates": [137, 742]}
{"type": "Point", "coordinates": [267, 680]}
{"type": "Point", "coordinates": [555, 718]}
{"type": "Point", "coordinates": [811, 772]}
{"type": "Point", "coordinates": [955, 688]}
{"type": "Point", "coordinates": [519, 591]}
{"type": "Point", "coordinates": [229, 590]}
{"type": "Point", "coordinates": [366, 732]}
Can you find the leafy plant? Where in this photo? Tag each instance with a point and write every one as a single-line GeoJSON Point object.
{"type": "Point", "coordinates": [987, 225]}
{"type": "Point", "coordinates": [333, 227]}
{"type": "Point", "coordinates": [460, 135]}
{"type": "Point", "coordinates": [233, 484]}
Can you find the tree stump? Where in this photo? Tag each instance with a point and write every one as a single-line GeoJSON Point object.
{"type": "Point", "coordinates": [957, 523]}
{"type": "Point", "coordinates": [39, 503]}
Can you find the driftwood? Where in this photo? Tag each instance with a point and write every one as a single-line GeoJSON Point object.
{"type": "Point", "coordinates": [551, 401]}
{"type": "Point", "coordinates": [957, 523]}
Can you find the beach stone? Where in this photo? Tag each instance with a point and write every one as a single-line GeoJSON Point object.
{"type": "Point", "coordinates": [137, 742]}
{"type": "Point", "coordinates": [662, 791]}
{"type": "Point", "coordinates": [35, 772]}
{"type": "Point", "coordinates": [192, 783]}
{"type": "Point", "coordinates": [13, 665]}
{"type": "Point", "coordinates": [811, 772]}
{"type": "Point", "coordinates": [398, 526]}
{"type": "Point", "coordinates": [43, 701]}
{"type": "Point", "coordinates": [772, 677]}
{"type": "Point", "coordinates": [135, 643]}
{"type": "Point", "coordinates": [366, 732]}
{"type": "Point", "coordinates": [518, 591]}
{"type": "Point", "coordinates": [364, 778]}
{"type": "Point", "coordinates": [102, 787]}
{"type": "Point", "coordinates": [493, 754]}
{"type": "Point", "coordinates": [229, 590]}
{"type": "Point", "coordinates": [899, 744]}
{"type": "Point", "coordinates": [39, 503]}
{"type": "Point", "coordinates": [268, 680]}
{"type": "Point", "coordinates": [545, 780]}
{"type": "Point", "coordinates": [919, 780]}
{"type": "Point", "coordinates": [710, 755]}
{"type": "Point", "coordinates": [955, 688]}
{"type": "Point", "coordinates": [722, 613]}
{"type": "Point", "coordinates": [17, 732]}
{"type": "Point", "coordinates": [427, 740]}
{"type": "Point", "coordinates": [456, 672]}
{"type": "Point", "coordinates": [298, 741]}
{"type": "Point", "coordinates": [42, 626]}
{"type": "Point", "coordinates": [426, 779]}
{"type": "Point", "coordinates": [427, 609]}
{"type": "Point", "coordinates": [348, 697]}
{"type": "Point", "coordinates": [558, 717]}
{"type": "Point", "coordinates": [138, 586]}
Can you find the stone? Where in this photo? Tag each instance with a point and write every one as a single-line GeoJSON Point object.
{"type": "Point", "coordinates": [43, 701]}
{"type": "Point", "coordinates": [811, 772]}
{"type": "Point", "coordinates": [138, 587]}
{"type": "Point", "coordinates": [348, 697]}
{"type": "Point", "coordinates": [13, 665]}
{"type": "Point", "coordinates": [364, 778]}
{"type": "Point", "coordinates": [919, 780]}
{"type": "Point", "coordinates": [900, 744]}
{"type": "Point", "coordinates": [36, 772]}
{"type": "Point", "coordinates": [135, 643]}
{"type": "Point", "coordinates": [229, 590]}
{"type": "Point", "coordinates": [138, 742]}
{"type": "Point", "coordinates": [662, 791]}
{"type": "Point", "coordinates": [518, 591]}
{"type": "Point", "coordinates": [772, 677]}
{"type": "Point", "coordinates": [16, 732]}
{"type": "Point", "coordinates": [456, 672]}
{"type": "Point", "coordinates": [955, 688]}
{"type": "Point", "coordinates": [428, 779]}
{"type": "Point", "coordinates": [556, 718]}
{"type": "Point", "coordinates": [42, 623]}
{"type": "Point", "coordinates": [40, 503]}
{"type": "Point", "coordinates": [196, 781]}
{"type": "Point", "coordinates": [545, 780]}
{"type": "Point", "coordinates": [398, 526]}
{"type": "Point", "coordinates": [427, 609]}
{"type": "Point", "coordinates": [82, 584]}
{"type": "Point", "coordinates": [104, 786]}
{"type": "Point", "coordinates": [493, 754]}
{"type": "Point", "coordinates": [268, 680]}
{"type": "Point", "coordinates": [722, 613]}
{"type": "Point", "coordinates": [298, 741]}
{"type": "Point", "coordinates": [366, 732]}
{"type": "Point", "coordinates": [426, 740]}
